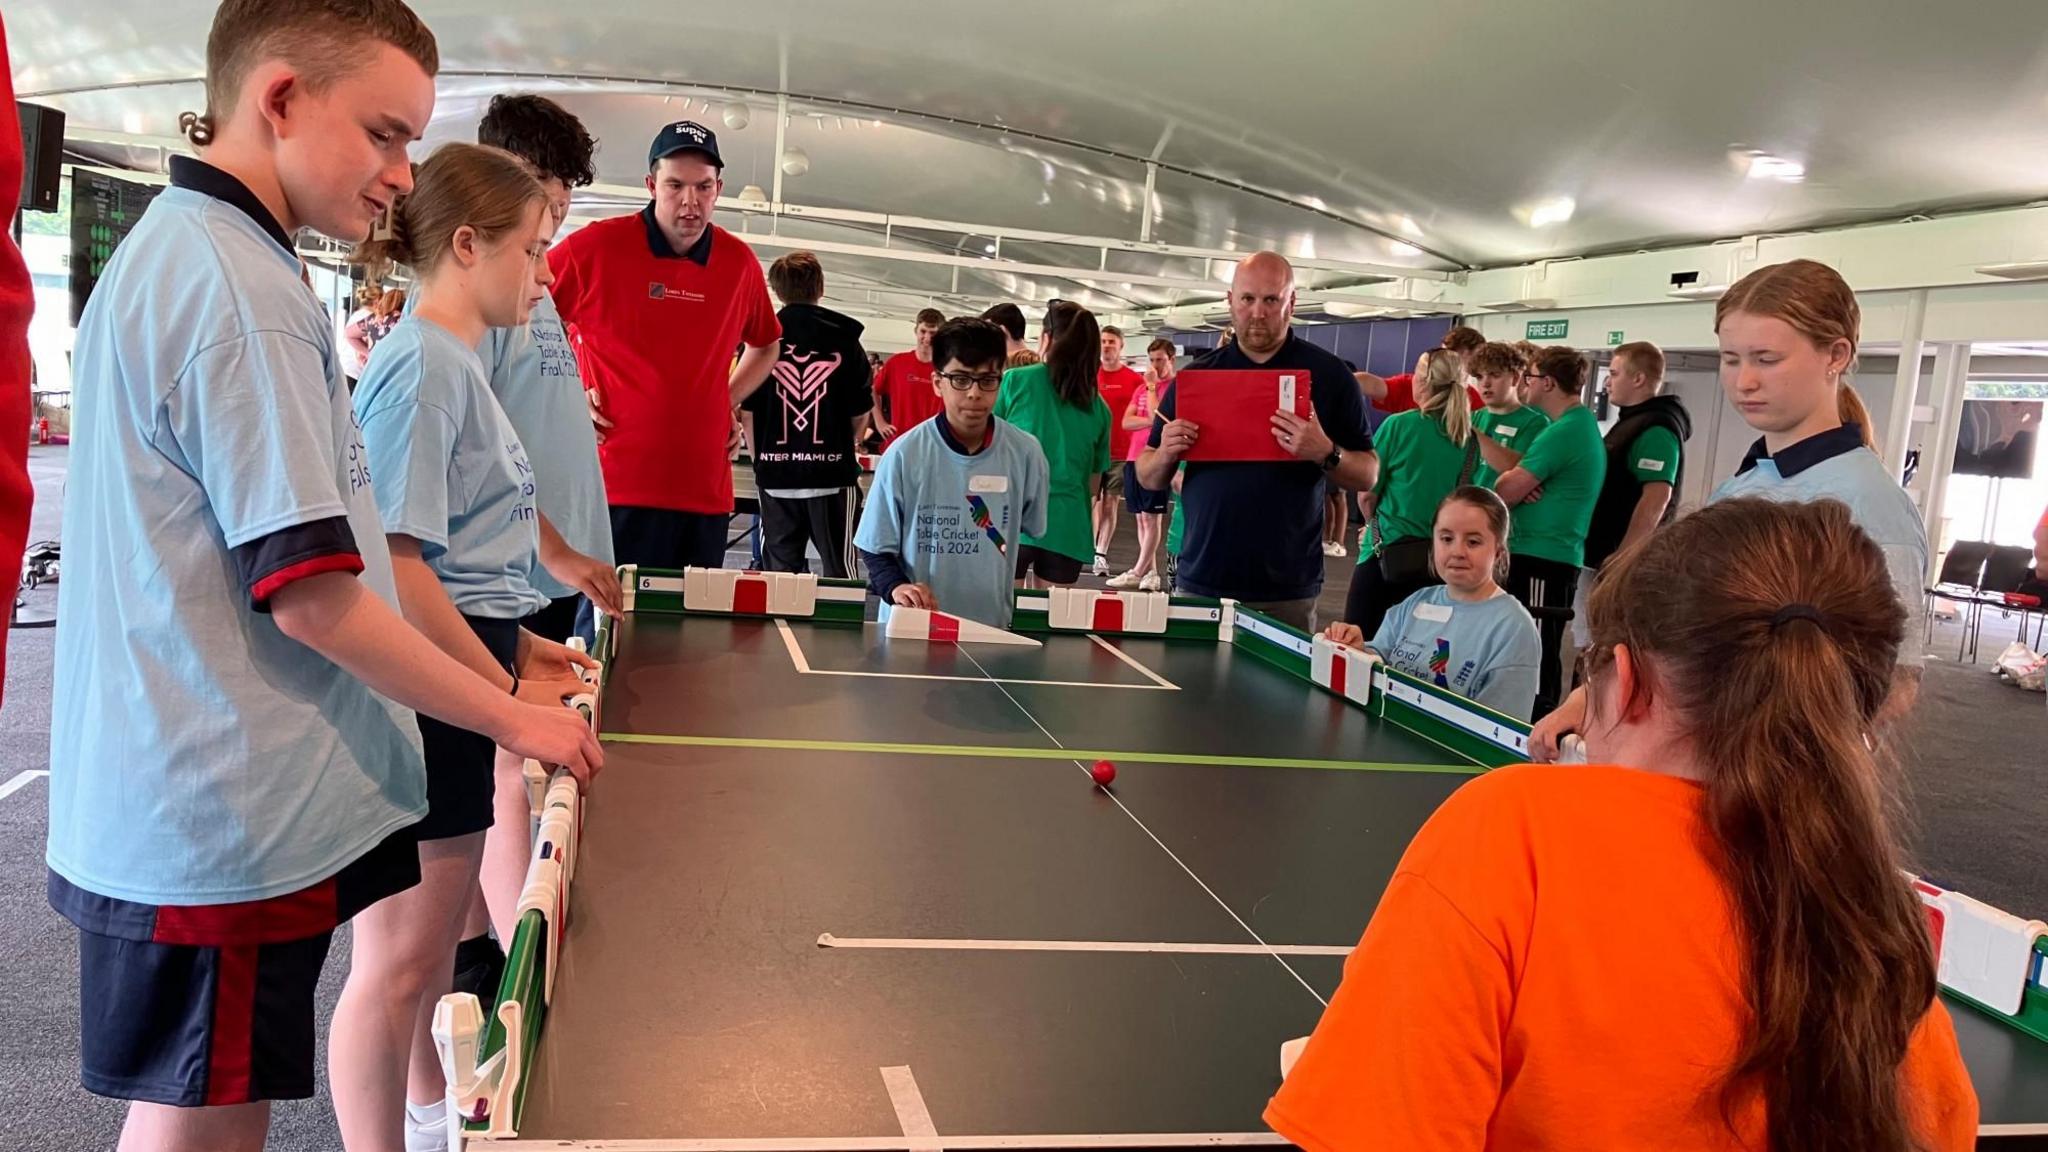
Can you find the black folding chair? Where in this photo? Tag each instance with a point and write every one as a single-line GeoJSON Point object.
{"type": "Point", "coordinates": [1960, 580]}
{"type": "Point", "coordinates": [2005, 570]}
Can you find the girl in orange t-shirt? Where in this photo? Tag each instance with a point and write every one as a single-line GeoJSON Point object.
{"type": "Point", "coordinates": [1706, 944]}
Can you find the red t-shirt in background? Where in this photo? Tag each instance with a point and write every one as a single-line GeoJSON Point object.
{"type": "Point", "coordinates": [656, 336]}
{"type": "Point", "coordinates": [906, 382]}
{"type": "Point", "coordinates": [1401, 395]}
{"type": "Point", "coordinates": [17, 302]}
{"type": "Point", "coordinates": [1117, 387]}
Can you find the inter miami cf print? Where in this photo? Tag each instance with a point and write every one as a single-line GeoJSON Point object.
{"type": "Point", "coordinates": [800, 379]}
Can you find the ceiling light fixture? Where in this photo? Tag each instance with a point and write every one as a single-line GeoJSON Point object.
{"type": "Point", "coordinates": [1555, 210]}
{"type": "Point", "coordinates": [737, 114]}
{"type": "Point", "coordinates": [2018, 270]}
{"type": "Point", "coordinates": [1698, 292]}
{"type": "Point", "coordinates": [795, 162]}
{"type": "Point", "coordinates": [1759, 165]}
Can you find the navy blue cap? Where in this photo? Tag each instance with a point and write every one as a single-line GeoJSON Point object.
{"type": "Point", "coordinates": [685, 136]}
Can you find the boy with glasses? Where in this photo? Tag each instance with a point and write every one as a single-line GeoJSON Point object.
{"type": "Point", "coordinates": [955, 492]}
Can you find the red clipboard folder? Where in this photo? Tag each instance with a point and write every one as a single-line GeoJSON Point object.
{"type": "Point", "coordinates": [1234, 408]}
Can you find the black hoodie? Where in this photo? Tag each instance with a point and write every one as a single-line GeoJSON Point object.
{"type": "Point", "coordinates": [804, 412]}
{"type": "Point", "coordinates": [1618, 496]}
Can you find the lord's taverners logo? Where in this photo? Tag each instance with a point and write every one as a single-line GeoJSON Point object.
{"type": "Point", "coordinates": [659, 291]}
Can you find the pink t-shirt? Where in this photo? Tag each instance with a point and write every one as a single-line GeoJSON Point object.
{"type": "Point", "coordinates": [1141, 405]}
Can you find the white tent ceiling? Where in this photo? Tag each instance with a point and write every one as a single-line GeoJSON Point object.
{"type": "Point", "coordinates": [1370, 135]}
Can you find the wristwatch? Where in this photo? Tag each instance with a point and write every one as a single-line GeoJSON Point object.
{"type": "Point", "coordinates": [1335, 458]}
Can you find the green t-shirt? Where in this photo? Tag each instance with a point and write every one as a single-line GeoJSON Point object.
{"type": "Point", "coordinates": [1076, 444]}
{"type": "Point", "coordinates": [1178, 523]}
{"type": "Point", "coordinates": [1570, 461]}
{"type": "Point", "coordinates": [1653, 458]}
{"type": "Point", "coordinates": [1514, 431]}
{"type": "Point", "coordinates": [1419, 465]}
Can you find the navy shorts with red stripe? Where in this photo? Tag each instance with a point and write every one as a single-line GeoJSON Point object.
{"type": "Point", "coordinates": [209, 1005]}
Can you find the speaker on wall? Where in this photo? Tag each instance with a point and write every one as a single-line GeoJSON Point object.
{"type": "Point", "coordinates": [42, 155]}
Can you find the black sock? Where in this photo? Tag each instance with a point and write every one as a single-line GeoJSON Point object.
{"type": "Point", "coordinates": [476, 950]}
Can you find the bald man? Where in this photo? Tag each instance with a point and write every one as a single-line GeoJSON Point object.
{"type": "Point", "coordinates": [1254, 531]}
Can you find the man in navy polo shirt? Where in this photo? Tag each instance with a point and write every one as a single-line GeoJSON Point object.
{"type": "Point", "coordinates": [1255, 529]}
{"type": "Point", "coordinates": [659, 301]}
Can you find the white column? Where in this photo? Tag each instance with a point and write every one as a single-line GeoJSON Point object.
{"type": "Point", "coordinates": [1938, 451]}
{"type": "Point", "coordinates": [1898, 430]}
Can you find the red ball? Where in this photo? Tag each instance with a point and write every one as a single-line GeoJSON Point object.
{"type": "Point", "coordinates": [1103, 773]}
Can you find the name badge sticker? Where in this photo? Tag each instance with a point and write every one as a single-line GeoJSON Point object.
{"type": "Point", "coordinates": [988, 483]}
{"type": "Point", "coordinates": [1434, 613]}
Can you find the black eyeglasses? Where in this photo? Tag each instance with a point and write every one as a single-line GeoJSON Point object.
{"type": "Point", "coordinates": [962, 381]}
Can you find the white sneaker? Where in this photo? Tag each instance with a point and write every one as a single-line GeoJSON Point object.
{"type": "Point", "coordinates": [1126, 581]}
{"type": "Point", "coordinates": [1150, 583]}
{"type": "Point", "coordinates": [1333, 548]}
{"type": "Point", "coordinates": [426, 1129]}
{"type": "Point", "coordinates": [1101, 564]}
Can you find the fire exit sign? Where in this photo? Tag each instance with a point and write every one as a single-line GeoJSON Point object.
{"type": "Point", "coordinates": [1548, 329]}
{"type": "Point", "coordinates": [1614, 339]}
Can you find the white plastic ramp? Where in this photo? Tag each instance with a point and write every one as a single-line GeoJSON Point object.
{"type": "Point", "coordinates": [941, 628]}
{"type": "Point", "coordinates": [1103, 610]}
{"type": "Point", "coordinates": [1980, 951]}
{"type": "Point", "coordinates": [1347, 672]}
{"type": "Point", "coordinates": [750, 593]}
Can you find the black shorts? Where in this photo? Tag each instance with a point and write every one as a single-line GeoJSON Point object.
{"type": "Point", "coordinates": [664, 538]}
{"type": "Point", "coordinates": [214, 1004]}
{"type": "Point", "coordinates": [1140, 499]}
{"type": "Point", "coordinates": [1052, 567]}
{"type": "Point", "coordinates": [555, 622]}
{"type": "Point", "coordinates": [461, 764]}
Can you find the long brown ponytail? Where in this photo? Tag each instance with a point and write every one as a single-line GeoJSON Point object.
{"type": "Point", "coordinates": [1074, 353]}
{"type": "Point", "coordinates": [1771, 630]}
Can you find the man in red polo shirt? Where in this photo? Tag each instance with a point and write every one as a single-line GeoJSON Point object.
{"type": "Point", "coordinates": [1117, 382]}
{"type": "Point", "coordinates": [659, 301]}
{"type": "Point", "coordinates": [904, 385]}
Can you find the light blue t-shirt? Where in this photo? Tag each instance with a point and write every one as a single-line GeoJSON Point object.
{"type": "Point", "coordinates": [955, 519]}
{"type": "Point", "coordinates": [1487, 651]}
{"type": "Point", "coordinates": [451, 472]}
{"type": "Point", "coordinates": [197, 754]}
{"type": "Point", "coordinates": [1878, 505]}
{"type": "Point", "coordinates": [534, 375]}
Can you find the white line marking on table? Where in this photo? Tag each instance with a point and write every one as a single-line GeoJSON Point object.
{"type": "Point", "coordinates": [1171, 854]}
{"type": "Point", "coordinates": [796, 655]}
{"type": "Point", "coordinates": [894, 1143]}
{"type": "Point", "coordinates": [925, 944]}
{"type": "Point", "coordinates": [911, 1113]}
{"type": "Point", "coordinates": [19, 781]}
{"type": "Point", "coordinates": [1127, 658]}
{"type": "Point", "coordinates": [796, 651]}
